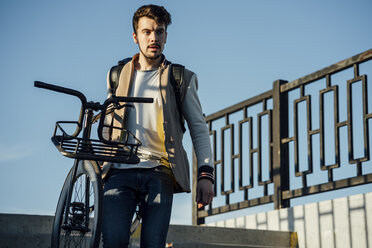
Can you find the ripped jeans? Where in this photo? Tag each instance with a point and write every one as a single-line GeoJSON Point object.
{"type": "Point", "coordinates": [123, 190]}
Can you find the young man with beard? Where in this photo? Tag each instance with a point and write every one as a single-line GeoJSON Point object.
{"type": "Point", "coordinates": [163, 169]}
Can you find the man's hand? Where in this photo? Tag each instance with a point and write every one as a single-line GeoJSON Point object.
{"type": "Point", "coordinates": [204, 192]}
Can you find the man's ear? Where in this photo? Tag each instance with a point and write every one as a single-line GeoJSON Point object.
{"type": "Point", "coordinates": [135, 38]}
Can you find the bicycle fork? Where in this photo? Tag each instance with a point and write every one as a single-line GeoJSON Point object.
{"type": "Point", "coordinates": [77, 212]}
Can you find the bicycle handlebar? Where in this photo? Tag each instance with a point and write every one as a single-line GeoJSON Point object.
{"type": "Point", "coordinates": [60, 89]}
{"type": "Point", "coordinates": [68, 91]}
{"type": "Point", "coordinates": [83, 99]}
{"type": "Point", "coordinates": [91, 105]}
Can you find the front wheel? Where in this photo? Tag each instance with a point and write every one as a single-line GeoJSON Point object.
{"type": "Point", "coordinates": [79, 223]}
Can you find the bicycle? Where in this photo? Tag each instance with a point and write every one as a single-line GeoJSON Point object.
{"type": "Point", "coordinates": [77, 222]}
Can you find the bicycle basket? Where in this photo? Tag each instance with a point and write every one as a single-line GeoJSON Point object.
{"type": "Point", "coordinates": [124, 151]}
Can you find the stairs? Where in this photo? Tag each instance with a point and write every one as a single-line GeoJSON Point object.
{"type": "Point", "coordinates": [180, 236]}
{"type": "Point", "coordinates": [34, 231]}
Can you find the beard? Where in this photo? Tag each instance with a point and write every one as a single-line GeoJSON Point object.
{"type": "Point", "coordinates": [150, 57]}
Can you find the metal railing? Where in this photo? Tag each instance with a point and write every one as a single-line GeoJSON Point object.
{"type": "Point", "coordinates": [291, 141]}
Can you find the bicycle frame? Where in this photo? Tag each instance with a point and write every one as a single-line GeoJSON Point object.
{"type": "Point", "coordinates": [84, 148]}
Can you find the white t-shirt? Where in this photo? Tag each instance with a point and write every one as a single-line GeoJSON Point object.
{"type": "Point", "coordinates": [145, 120]}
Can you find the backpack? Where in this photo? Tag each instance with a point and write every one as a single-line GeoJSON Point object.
{"type": "Point", "coordinates": [176, 82]}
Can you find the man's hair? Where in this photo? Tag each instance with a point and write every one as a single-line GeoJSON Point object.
{"type": "Point", "coordinates": [155, 12]}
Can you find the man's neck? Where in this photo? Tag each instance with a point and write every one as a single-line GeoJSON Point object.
{"type": "Point", "coordinates": [145, 64]}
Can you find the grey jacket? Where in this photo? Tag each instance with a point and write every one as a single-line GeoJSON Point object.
{"type": "Point", "coordinates": [173, 132]}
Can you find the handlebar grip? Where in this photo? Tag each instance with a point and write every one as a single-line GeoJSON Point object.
{"type": "Point", "coordinates": [60, 89]}
{"type": "Point", "coordinates": [134, 99]}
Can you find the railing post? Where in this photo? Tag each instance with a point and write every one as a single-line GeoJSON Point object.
{"type": "Point", "coordinates": [280, 151]}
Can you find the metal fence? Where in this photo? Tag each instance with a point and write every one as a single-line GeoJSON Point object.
{"type": "Point", "coordinates": [303, 137]}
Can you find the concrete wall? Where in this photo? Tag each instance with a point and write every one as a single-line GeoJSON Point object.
{"type": "Point", "coordinates": [33, 231]}
{"type": "Point", "coordinates": [342, 222]}
{"type": "Point", "coordinates": [18, 230]}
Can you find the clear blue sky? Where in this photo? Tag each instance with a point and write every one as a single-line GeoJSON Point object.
{"type": "Point", "coordinates": [237, 48]}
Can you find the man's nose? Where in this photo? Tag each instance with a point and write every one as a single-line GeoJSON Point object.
{"type": "Point", "coordinates": [153, 36]}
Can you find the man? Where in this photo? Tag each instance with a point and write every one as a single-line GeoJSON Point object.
{"type": "Point", "coordinates": [163, 169]}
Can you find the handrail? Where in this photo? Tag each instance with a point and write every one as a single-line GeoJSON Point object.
{"type": "Point", "coordinates": [235, 154]}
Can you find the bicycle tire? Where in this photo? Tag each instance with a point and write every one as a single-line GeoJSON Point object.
{"type": "Point", "coordinates": [76, 233]}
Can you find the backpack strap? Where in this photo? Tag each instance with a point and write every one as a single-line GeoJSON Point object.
{"type": "Point", "coordinates": [114, 83]}
{"type": "Point", "coordinates": [177, 83]}
{"type": "Point", "coordinates": [115, 74]}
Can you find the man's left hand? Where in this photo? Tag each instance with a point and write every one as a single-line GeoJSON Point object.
{"type": "Point", "coordinates": [204, 192]}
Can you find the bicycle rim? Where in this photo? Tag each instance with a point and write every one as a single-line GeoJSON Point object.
{"type": "Point", "coordinates": [86, 200]}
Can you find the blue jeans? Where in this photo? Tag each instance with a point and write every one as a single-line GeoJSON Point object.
{"type": "Point", "coordinates": [123, 190]}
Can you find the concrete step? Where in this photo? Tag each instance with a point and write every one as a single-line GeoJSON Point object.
{"type": "Point", "coordinates": [34, 231]}
{"type": "Point", "coordinates": [181, 236]}
{"type": "Point", "coordinates": [231, 236]}
{"type": "Point", "coordinates": [213, 245]}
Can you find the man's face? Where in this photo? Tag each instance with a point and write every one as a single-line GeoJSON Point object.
{"type": "Point", "coordinates": [150, 38]}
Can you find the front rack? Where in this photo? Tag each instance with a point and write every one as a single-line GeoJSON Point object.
{"type": "Point", "coordinates": [92, 149]}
